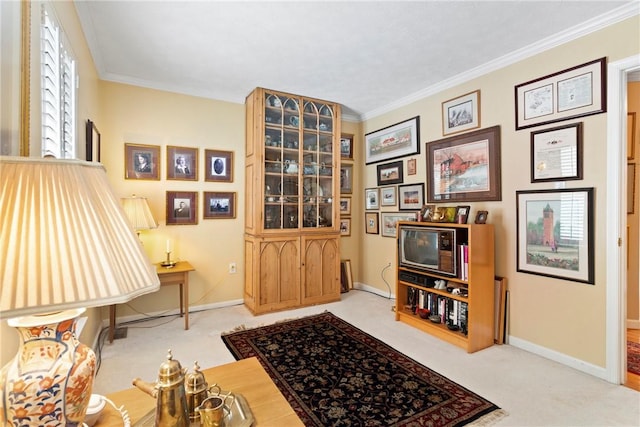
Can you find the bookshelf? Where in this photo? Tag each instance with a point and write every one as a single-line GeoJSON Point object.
{"type": "Point", "coordinates": [467, 315]}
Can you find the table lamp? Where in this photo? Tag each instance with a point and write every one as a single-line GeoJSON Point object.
{"type": "Point", "coordinates": [138, 212]}
{"type": "Point", "coordinates": [65, 244]}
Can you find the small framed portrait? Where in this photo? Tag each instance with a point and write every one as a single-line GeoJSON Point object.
{"type": "Point", "coordinates": [182, 163]}
{"type": "Point", "coordinates": [412, 166]}
{"type": "Point", "coordinates": [345, 226]}
{"type": "Point", "coordinates": [142, 161]}
{"type": "Point", "coordinates": [426, 213]}
{"type": "Point", "coordinates": [345, 205]}
{"type": "Point", "coordinates": [346, 178]}
{"type": "Point", "coordinates": [182, 207]}
{"type": "Point", "coordinates": [218, 165]}
{"type": "Point", "coordinates": [481, 217]}
{"type": "Point", "coordinates": [371, 223]}
{"type": "Point", "coordinates": [388, 196]}
{"type": "Point", "coordinates": [219, 205]}
{"type": "Point", "coordinates": [462, 214]}
{"type": "Point", "coordinates": [371, 198]}
{"type": "Point", "coordinates": [346, 146]}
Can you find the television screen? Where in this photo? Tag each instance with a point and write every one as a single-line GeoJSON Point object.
{"type": "Point", "coordinates": [419, 247]}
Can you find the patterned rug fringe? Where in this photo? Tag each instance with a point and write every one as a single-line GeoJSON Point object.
{"type": "Point", "coordinates": [489, 419]}
{"type": "Point", "coordinates": [243, 327]}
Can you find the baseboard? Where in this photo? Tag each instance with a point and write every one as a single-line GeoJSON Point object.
{"type": "Point", "coordinates": [633, 324]}
{"type": "Point", "coordinates": [373, 290]}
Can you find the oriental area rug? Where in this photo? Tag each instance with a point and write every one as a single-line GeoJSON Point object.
{"type": "Point", "coordinates": [334, 374]}
{"type": "Point", "coordinates": [633, 357]}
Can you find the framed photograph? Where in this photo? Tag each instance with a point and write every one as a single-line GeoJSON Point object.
{"type": "Point", "coordinates": [462, 214]}
{"type": "Point", "coordinates": [371, 196]}
{"type": "Point", "coordinates": [346, 146]}
{"type": "Point", "coordinates": [345, 226]}
{"type": "Point", "coordinates": [182, 163]}
{"type": "Point", "coordinates": [93, 142]}
{"type": "Point", "coordinates": [371, 223]}
{"type": "Point", "coordinates": [631, 187]}
{"type": "Point", "coordinates": [388, 196]}
{"type": "Point", "coordinates": [218, 165]}
{"type": "Point", "coordinates": [141, 161]}
{"type": "Point", "coordinates": [481, 217]}
{"type": "Point", "coordinates": [219, 205]}
{"type": "Point", "coordinates": [390, 219]}
{"type": "Point", "coordinates": [182, 207]}
{"type": "Point", "coordinates": [575, 92]}
{"type": "Point", "coordinates": [556, 153]}
{"type": "Point", "coordinates": [399, 140]}
{"type": "Point", "coordinates": [411, 197]}
{"type": "Point", "coordinates": [426, 213]}
{"type": "Point", "coordinates": [411, 166]}
{"type": "Point", "coordinates": [346, 178]}
{"type": "Point", "coordinates": [345, 205]}
{"type": "Point", "coordinates": [555, 233]}
{"type": "Point", "coordinates": [390, 173]}
{"type": "Point", "coordinates": [461, 114]}
{"type": "Point", "coordinates": [465, 168]}
{"type": "Point", "coordinates": [444, 214]}
{"type": "Point", "coordinates": [631, 135]}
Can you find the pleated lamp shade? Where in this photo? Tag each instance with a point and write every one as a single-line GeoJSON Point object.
{"type": "Point", "coordinates": [138, 212]}
{"type": "Point", "coordinates": [65, 241]}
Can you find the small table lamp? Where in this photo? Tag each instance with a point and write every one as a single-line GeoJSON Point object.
{"type": "Point", "coordinates": [65, 244]}
{"type": "Point", "coordinates": [138, 212]}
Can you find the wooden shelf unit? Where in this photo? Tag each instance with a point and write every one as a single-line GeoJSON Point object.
{"type": "Point", "coordinates": [480, 285]}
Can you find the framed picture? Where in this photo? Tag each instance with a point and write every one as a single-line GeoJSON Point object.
{"type": "Point", "coordinates": [556, 153]}
{"type": "Point", "coordinates": [346, 279]}
{"type": "Point", "coordinates": [346, 178]}
{"type": "Point", "coordinates": [631, 135]}
{"type": "Point", "coordinates": [411, 166]}
{"type": "Point", "coordinates": [345, 205]}
{"type": "Point", "coordinates": [346, 146]}
{"type": "Point", "coordinates": [575, 92]}
{"type": "Point", "coordinates": [481, 217]}
{"type": "Point", "coordinates": [444, 214]}
{"type": "Point", "coordinates": [371, 198]}
{"type": "Point", "coordinates": [411, 196]}
{"type": "Point", "coordinates": [465, 168]}
{"type": "Point", "coordinates": [390, 173]}
{"type": "Point", "coordinates": [345, 226]}
{"type": "Point", "coordinates": [141, 161]}
{"type": "Point", "coordinates": [401, 139]}
{"type": "Point", "coordinates": [631, 187]}
{"type": "Point", "coordinates": [182, 207]}
{"type": "Point", "coordinates": [426, 213]}
{"type": "Point", "coordinates": [182, 163]}
{"type": "Point", "coordinates": [93, 142]}
{"type": "Point", "coordinates": [388, 196]}
{"type": "Point", "coordinates": [555, 233]}
{"type": "Point", "coordinates": [462, 214]}
{"type": "Point", "coordinates": [390, 219]}
{"type": "Point", "coordinates": [218, 165]}
{"type": "Point", "coordinates": [371, 222]}
{"type": "Point", "coordinates": [461, 114]}
{"type": "Point", "coordinates": [219, 205]}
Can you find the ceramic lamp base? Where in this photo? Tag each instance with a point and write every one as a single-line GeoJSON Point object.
{"type": "Point", "coordinates": [49, 382]}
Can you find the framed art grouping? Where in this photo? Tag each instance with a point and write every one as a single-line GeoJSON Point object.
{"type": "Point", "coordinates": [182, 207]}
{"type": "Point", "coordinates": [390, 219]}
{"type": "Point", "coordinates": [390, 173]}
{"type": "Point", "coordinates": [555, 233]}
{"type": "Point", "coordinates": [465, 168]}
{"type": "Point", "coordinates": [411, 196]}
{"type": "Point", "coordinates": [401, 139]}
{"type": "Point", "coordinates": [219, 205]}
{"type": "Point", "coordinates": [182, 163]}
{"type": "Point", "coordinates": [461, 114]}
{"type": "Point", "coordinates": [141, 161]}
{"type": "Point", "coordinates": [218, 165]}
{"type": "Point", "coordinates": [556, 153]}
{"type": "Point", "coordinates": [575, 92]}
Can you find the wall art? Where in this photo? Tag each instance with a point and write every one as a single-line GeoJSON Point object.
{"type": "Point", "coordinates": [371, 196]}
{"type": "Point", "coordinates": [346, 146]}
{"type": "Point", "coordinates": [411, 197]}
{"type": "Point", "coordinates": [390, 219]}
{"type": "Point", "coordinates": [556, 153]}
{"type": "Point", "coordinates": [401, 139]}
{"type": "Point", "coordinates": [219, 205]}
{"type": "Point", "coordinates": [182, 163]}
{"type": "Point", "coordinates": [371, 223]}
{"type": "Point", "coordinates": [141, 161]}
{"type": "Point", "coordinates": [93, 142]}
{"type": "Point", "coordinates": [182, 207]}
{"type": "Point", "coordinates": [218, 165]}
{"type": "Point", "coordinates": [461, 114]}
{"type": "Point", "coordinates": [390, 173]}
{"type": "Point", "coordinates": [388, 196]}
{"type": "Point", "coordinates": [345, 205]}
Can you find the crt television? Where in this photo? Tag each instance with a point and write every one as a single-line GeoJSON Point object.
{"type": "Point", "coordinates": [429, 249]}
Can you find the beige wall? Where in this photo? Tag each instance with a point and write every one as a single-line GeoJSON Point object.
{"type": "Point", "coordinates": [633, 220]}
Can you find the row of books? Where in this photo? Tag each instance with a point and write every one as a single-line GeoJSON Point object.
{"type": "Point", "coordinates": [452, 312]}
{"type": "Point", "coordinates": [463, 261]}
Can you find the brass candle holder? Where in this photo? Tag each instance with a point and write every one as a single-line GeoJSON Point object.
{"type": "Point", "coordinates": [168, 263]}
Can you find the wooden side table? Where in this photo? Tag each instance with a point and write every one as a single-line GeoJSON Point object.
{"type": "Point", "coordinates": [176, 275]}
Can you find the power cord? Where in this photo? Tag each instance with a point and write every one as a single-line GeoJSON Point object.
{"type": "Point", "coordinates": [385, 280]}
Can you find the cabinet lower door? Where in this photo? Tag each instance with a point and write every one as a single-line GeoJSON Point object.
{"type": "Point", "coordinates": [320, 269]}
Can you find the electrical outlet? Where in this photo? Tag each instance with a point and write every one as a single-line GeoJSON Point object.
{"type": "Point", "coordinates": [232, 268]}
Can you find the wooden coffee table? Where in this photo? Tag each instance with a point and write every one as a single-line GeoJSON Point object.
{"type": "Point", "coordinates": [246, 377]}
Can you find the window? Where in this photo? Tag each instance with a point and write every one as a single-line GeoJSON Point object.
{"type": "Point", "coordinates": [58, 90]}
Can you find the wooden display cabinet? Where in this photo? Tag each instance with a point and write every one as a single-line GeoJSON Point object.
{"type": "Point", "coordinates": [477, 332]}
{"type": "Point", "coordinates": [292, 170]}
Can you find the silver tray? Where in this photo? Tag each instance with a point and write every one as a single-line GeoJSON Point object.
{"type": "Point", "coordinates": [240, 415]}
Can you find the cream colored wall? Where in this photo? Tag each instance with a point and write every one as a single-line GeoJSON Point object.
{"type": "Point", "coordinates": [633, 220]}
{"type": "Point", "coordinates": [563, 316]}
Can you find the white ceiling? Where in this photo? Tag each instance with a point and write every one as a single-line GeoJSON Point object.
{"type": "Point", "coordinates": [370, 56]}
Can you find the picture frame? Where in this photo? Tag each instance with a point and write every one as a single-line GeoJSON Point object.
{"type": "Point", "coordinates": [371, 223]}
{"type": "Point", "coordinates": [346, 278]}
{"type": "Point", "coordinates": [444, 214]}
{"type": "Point", "coordinates": [218, 165]}
{"type": "Point", "coordinates": [394, 141]}
{"type": "Point", "coordinates": [390, 173]}
{"type": "Point", "coordinates": [93, 142]}
{"type": "Point", "coordinates": [346, 146]}
{"type": "Point", "coordinates": [219, 205]}
{"type": "Point", "coordinates": [182, 208]}
{"type": "Point", "coordinates": [389, 196]}
{"type": "Point", "coordinates": [426, 213]}
{"type": "Point", "coordinates": [346, 178]}
{"type": "Point", "coordinates": [465, 168]}
{"type": "Point", "coordinates": [555, 233]}
{"type": "Point", "coordinates": [371, 198]}
{"type": "Point", "coordinates": [390, 219]}
{"type": "Point", "coordinates": [345, 227]}
{"type": "Point", "coordinates": [462, 214]}
{"type": "Point", "coordinates": [411, 196]}
{"type": "Point", "coordinates": [182, 163]}
{"type": "Point", "coordinates": [481, 217]}
{"type": "Point", "coordinates": [142, 162]}
{"type": "Point", "coordinates": [574, 92]}
{"type": "Point", "coordinates": [631, 135]}
{"type": "Point", "coordinates": [461, 114]}
{"type": "Point", "coordinates": [556, 153]}
{"type": "Point", "coordinates": [412, 166]}
{"type": "Point", "coordinates": [345, 205]}
{"type": "Point", "coordinates": [631, 187]}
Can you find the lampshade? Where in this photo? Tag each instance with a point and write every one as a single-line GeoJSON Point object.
{"type": "Point", "coordinates": [64, 239]}
{"type": "Point", "coordinates": [138, 212]}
